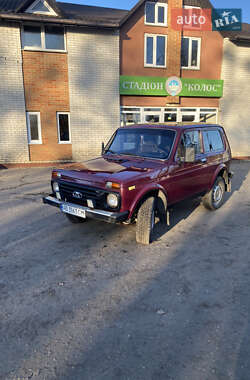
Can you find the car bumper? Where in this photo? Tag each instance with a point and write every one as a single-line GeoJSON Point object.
{"type": "Point", "coordinates": [106, 216]}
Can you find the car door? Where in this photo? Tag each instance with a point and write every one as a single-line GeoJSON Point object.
{"type": "Point", "coordinates": [214, 148]}
{"type": "Point", "coordinates": [187, 178]}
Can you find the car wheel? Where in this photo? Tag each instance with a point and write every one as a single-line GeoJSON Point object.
{"type": "Point", "coordinates": [75, 219]}
{"type": "Point", "coordinates": [214, 199]}
{"type": "Point", "coordinates": [145, 221]}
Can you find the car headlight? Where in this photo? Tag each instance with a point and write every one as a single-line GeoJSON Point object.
{"type": "Point", "coordinates": [112, 200]}
{"type": "Point", "coordinates": [55, 187]}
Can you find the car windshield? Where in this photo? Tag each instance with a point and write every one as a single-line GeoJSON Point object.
{"type": "Point", "coordinates": [143, 142]}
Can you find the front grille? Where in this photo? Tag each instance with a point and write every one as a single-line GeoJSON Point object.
{"type": "Point", "coordinates": [98, 196]}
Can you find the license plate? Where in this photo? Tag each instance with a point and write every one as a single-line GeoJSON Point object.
{"type": "Point", "coordinates": [73, 210]}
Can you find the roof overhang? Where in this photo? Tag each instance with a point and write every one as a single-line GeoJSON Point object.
{"type": "Point", "coordinates": [55, 20]}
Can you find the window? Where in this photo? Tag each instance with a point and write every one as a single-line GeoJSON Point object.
{"type": "Point", "coordinates": [212, 141]}
{"type": "Point", "coordinates": [43, 37]}
{"type": "Point", "coordinates": [135, 115]}
{"type": "Point", "coordinates": [130, 116]}
{"type": "Point", "coordinates": [190, 53]}
{"type": "Point", "coordinates": [170, 115]}
{"type": "Point", "coordinates": [155, 50]}
{"type": "Point", "coordinates": [142, 142]}
{"type": "Point", "coordinates": [193, 14]}
{"type": "Point", "coordinates": [42, 7]}
{"type": "Point", "coordinates": [192, 138]}
{"type": "Point", "coordinates": [189, 139]}
{"type": "Point", "coordinates": [34, 128]}
{"type": "Point", "coordinates": [208, 115]}
{"type": "Point", "coordinates": [156, 14]}
{"type": "Point", "coordinates": [63, 126]}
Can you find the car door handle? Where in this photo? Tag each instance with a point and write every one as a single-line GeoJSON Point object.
{"type": "Point", "coordinates": [203, 160]}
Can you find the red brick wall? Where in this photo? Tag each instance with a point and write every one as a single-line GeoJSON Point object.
{"type": "Point", "coordinates": [47, 91]}
{"type": "Point", "coordinates": [132, 58]}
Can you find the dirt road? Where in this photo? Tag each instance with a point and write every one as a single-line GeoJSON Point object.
{"type": "Point", "coordinates": [85, 302]}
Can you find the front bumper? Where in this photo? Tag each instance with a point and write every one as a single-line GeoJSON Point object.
{"type": "Point", "coordinates": [106, 216]}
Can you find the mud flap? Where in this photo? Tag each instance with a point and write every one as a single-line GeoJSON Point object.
{"type": "Point", "coordinates": [168, 218]}
{"type": "Point", "coordinates": [227, 178]}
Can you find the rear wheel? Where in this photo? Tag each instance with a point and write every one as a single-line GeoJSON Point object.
{"type": "Point", "coordinates": [75, 219]}
{"type": "Point", "coordinates": [214, 199]}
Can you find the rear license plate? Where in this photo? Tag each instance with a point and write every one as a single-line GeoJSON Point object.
{"type": "Point", "coordinates": [73, 210]}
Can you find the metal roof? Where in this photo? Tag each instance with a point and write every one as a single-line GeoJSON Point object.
{"type": "Point", "coordinates": [67, 13]}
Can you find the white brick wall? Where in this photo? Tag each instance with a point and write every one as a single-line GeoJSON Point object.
{"type": "Point", "coordinates": [13, 131]}
{"type": "Point", "coordinates": [93, 60]}
{"type": "Point", "coordinates": [235, 104]}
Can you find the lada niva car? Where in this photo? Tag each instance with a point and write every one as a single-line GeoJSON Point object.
{"type": "Point", "coordinates": [142, 171]}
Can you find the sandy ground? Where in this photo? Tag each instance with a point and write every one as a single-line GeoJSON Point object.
{"type": "Point", "coordinates": [86, 302]}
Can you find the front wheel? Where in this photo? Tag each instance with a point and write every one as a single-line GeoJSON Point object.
{"type": "Point", "coordinates": [145, 221]}
{"type": "Point", "coordinates": [214, 199]}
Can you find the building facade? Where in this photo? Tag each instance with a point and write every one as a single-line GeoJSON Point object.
{"type": "Point", "coordinates": [151, 48]}
{"type": "Point", "coordinates": [58, 101]}
{"type": "Point", "coordinates": [71, 74]}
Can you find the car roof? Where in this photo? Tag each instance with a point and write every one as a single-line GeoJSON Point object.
{"type": "Point", "coordinates": [174, 126]}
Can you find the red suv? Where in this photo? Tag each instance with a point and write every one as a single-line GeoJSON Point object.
{"type": "Point", "coordinates": [142, 171]}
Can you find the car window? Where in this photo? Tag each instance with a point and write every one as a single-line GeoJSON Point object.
{"type": "Point", "coordinates": [144, 142]}
{"type": "Point", "coordinates": [212, 141]}
{"type": "Point", "coordinates": [192, 138]}
{"type": "Point", "coordinates": [189, 139]}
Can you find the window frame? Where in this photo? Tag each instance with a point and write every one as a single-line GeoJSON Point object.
{"type": "Point", "coordinates": [30, 141]}
{"type": "Point", "coordinates": [42, 34]}
{"type": "Point", "coordinates": [190, 53]}
{"type": "Point", "coordinates": [154, 36]}
{"type": "Point", "coordinates": [58, 127]}
{"type": "Point", "coordinates": [198, 28]}
{"type": "Point", "coordinates": [157, 5]}
{"type": "Point", "coordinates": [179, 111]}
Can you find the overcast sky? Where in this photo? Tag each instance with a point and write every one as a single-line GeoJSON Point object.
{"type": "Point", "coordinates": [128, 4]}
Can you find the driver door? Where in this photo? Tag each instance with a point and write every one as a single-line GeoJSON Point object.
{"type": "Point", "coordinates": [187, 178]}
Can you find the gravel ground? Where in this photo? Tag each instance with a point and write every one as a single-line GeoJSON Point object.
{"type": "Point", "coordinates": [86, 302]}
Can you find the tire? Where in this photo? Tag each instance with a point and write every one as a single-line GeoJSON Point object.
{"type": "Point", "coordinates": [145, 221]}
{"type": "Point", "coordinates": [75, 219]}
{"type": "Point", "coordinates": [214, 199]}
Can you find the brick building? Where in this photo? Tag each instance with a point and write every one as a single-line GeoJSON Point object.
{"type": "Point", "coordinates": [151, 48]}
{"type": "Point", "coordinates": [61, 64]}
{"type": "Point", "coordinates": [59, 79]}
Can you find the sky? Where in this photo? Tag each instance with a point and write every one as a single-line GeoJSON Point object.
{"type": "Point", "coordinates": [128, 4]}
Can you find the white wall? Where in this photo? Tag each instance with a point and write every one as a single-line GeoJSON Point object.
{"type": "Point", "coordinates": [13, 130]}
{"type": "Point", "coordinates": [235, 104]}
{"type": "Point", "coordinates": [93, 60]}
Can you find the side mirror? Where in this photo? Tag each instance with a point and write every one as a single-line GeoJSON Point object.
{"type": "Point", "coordinates": [102, 148]}
{"type": "Point", "coordinates": [190, 154]}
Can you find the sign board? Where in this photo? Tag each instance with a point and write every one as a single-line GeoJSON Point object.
{"type": "Point", "coordinates": [158, 86]}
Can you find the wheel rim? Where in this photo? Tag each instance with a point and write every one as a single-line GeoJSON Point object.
{"type": "Point", "coordinates": [217, 194]}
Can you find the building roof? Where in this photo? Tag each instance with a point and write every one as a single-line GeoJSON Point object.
{"type": "Point", "coordinates": [67, 13]}
{"type": "Point", "coordinates": [239, 35]}
{"type": "Point", "coordinates": [84, 15]}
{"type": "Point", "coordinates": [85, 12]}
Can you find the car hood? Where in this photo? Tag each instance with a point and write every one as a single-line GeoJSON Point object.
{"type": "Point", "coordinates": [102, 169]}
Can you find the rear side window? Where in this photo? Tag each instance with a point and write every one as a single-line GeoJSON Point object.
{"type": "Point", "coordinates": [212, 141]}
